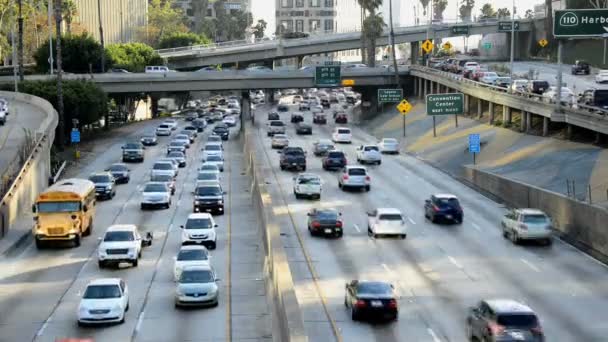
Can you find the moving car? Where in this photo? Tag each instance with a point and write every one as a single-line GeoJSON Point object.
{"type": "Point", "coordinates": [104, 185]}
{"type": "Point", "coordinates": [176, 146]}
{"type": "Point", "coordinates": [303, 128]}
{"type": "Point", "coordinates": [342, 135]}
{"type": "Point", "coordinates": [353, 176]}
{"type": "Point", "coordinates": [200, 125]}
{"type": "Point", "coordinates": [488, 77]}
{"type": "Point", "coordinates": [167, 179]}
{"type": "Point", "coordinates": [282, 107]}
{"type": "Point", "coordinates": [212, 149]}
{"type": "Point", "coordinates": [229, 121]}
{"type": "Point", "coordinates": [279, 141]}
{"type": "Point", "coordinates": [594, 98]}
{"type": "Point", "coordinates": [341, 118]}
{"type": "Point", "coordinates": [293, 158]}
{"type": "Point", "coordinates": [519, 86]}
{"type": "Point", "coordinates": [602, 76]}
{"type": "Point", "coordinates": [307, 185]}
{"type": "Point", "coordinates": [197, 285]}
{"type": "Point", "coordinates": [120, 172]}
{"type": "Point", "coordinates": [121, 243]}
{"type": "Point", "coordinates": [209, 197]}
{"type": "Point", "coordinates": [538, 86]}
{"type": "Point", "coordinates": [179, 157]}
{"type": "Point", "coordinates": [172, 123]}
{"type": "Point", "coordinates": [369, 154]}
{"type": "Point", "coordinates": [199, 230]}
{"type": "Point", "coordinates": [319, 118]}
{"type": "Point", "coordinates": [105, 300]}
{"type": "Point", "coordinates": [273, 116]}
{"type": "Point", "coordinates": [496, 320]}
{"type": "Point", "coordinates": [322, 146]}
{"type": "Point", "coordinates": [222, 131]}
{"type": "Point", "coordinates": [275, 127]}
{"type": "Point", "coordinates": [444, 207]}
{"type": "Point", "coordinates": [205, 175]}
{"type": "Point", "coordinates": [164, 168]}
{"type": "Point", "coordinates": [183, 138]}
{"type": "Point", "coordinates": [296, 117]}
{"type": "Point", "coordinates": [133, 151]}
{"type": "Point", "coordinates": [386, 221]}
{"type": "Point", "coordinates": [149, 140]}
{"type": "Point", "coordinates": [503, 82]}
{"type": "Point", "coordinates": [371, 299]}
{"type": "Point", "coordinates": [389, 146]}
{"type": "Point", "coordinates": [527, 224]}
{"type": "Point", "coordinates": [304, 105]}
{"type": "Point", "coordinates": [297, 99]}
{"type": "Point", "coordinates": [581, 67]}
{"type": "Point", "coordinates": [156, 194]}
{"type": "Point", "coordinates": [216, 160]}
{"type": "Point", "coordinates": [325, 222]}
{"type": "Point", "coordinates": [566, 97]}
{"type": "Point", "coordinates": [334, 160]}
{"type": "Point", "coordinates": [317, 109]}
{"type": "Point", "coordinates": [190, 256]}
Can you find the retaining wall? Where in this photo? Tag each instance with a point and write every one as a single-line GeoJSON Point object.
{"type": "Point", "coordinates": [33, 176]}
{"type": "Point", "coordinates": [582, 224]}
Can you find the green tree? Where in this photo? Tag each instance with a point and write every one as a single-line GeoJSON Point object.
{"type": "Point", "coordinates": [132, 56]}
{"type": "Point", "coordinates": [78, 52]}
{"type": "Point", "coordinates": [425, 6]}
{"type": "Point", "coordinates": [259, 28]}
{"type": "Point", "coordinates": [487, 11]}
{"type": "Point", "coordinates": [466, 9]}
{"type": "Point", "coordinates": [503, 13]}
{"type": "Point", "coordinates": [230, 26]}
{"type": "Point", "coordinates": [70, 11]}
{"type": "Point", "coordinates": [439, 7]}
{"type": "Point", "coordinates": [529, 14]}
{"type": "Point", "coordinates": [178, 39]}
{"type": "Point", "coordinates": [199, 9]}
{"type": "Point", "coordinates": [372, 29]}
{"type": "Point", "coordinates": [163, 19]}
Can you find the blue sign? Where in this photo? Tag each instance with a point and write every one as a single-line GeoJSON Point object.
{"type": "Point", "coordinates": [75, 136]}
{"type": "Point", "coordinates": [474, 143]}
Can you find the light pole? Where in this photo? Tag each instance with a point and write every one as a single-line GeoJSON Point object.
{"type": "Point", "coordinates": [20, 28]}
{"type": "Point", "coordinates": [49, 14]}
{"type": "Point", "coordinates": [393, 52]}
{"type": "Point", "coordinates": [512, 44]}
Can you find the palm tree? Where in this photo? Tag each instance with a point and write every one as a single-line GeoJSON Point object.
{"type": "Point", "coordinates": [368, 9]}
{"type": "Point", "coordinates": [70, 11]}
{"type": "Point", "coordinates": [373, 26]}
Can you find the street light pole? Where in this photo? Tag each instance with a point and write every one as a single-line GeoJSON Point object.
{"type": "Point", "coordinates": [50, 11]}
{"type": "Point", "coordinates": [512, 44]}
{"type": "Point", "coordinates": [20, 47]}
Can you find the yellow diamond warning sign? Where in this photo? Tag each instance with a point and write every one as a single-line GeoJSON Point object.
{"type": "Point", "coordinates": [543, 42]}
{"type": "Point", "coordinates": [404, 107]}
{"type": "Point", "coordinates": [427, 46]}
{"type": "Point", "coordinates": [447, 46]}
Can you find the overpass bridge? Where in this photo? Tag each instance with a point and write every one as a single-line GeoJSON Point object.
{"type": "Point", "coordinates": [201, 55]}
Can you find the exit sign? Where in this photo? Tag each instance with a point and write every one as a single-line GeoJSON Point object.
{"type": "Point", "coordinates": [505, 26]}
{"type": "Point", "coordinates": [327, 76]}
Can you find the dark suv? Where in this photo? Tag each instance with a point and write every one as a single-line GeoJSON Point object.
{"type": "Point", "coordinates": [293, 158]}
{"type": "Point", "coordinates": [538, 86]}
{"type": "Point", "coordinates": [222, 130]}
{"type": "Point", "coordinates": [581, 67]}
{"type": "Point", "coordinates": [334, 160]}
{"type": "Point", "coordinates": [273, 116]}
{"type": "Point", "coordinates": [503, 320]}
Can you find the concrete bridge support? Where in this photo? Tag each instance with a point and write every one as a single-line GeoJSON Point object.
{"type": "Point", "coordinates": [479, 108]}
{"type": "Point", "coordinates": [369, 102]}
{"type": "Point", "coordinates": [523, 122]}
{"type": "Point", "coordinates": [528, 121]}
{"type": "Point", "coordinates": [545, 126]}
{"type": "Point", "coordinates": [415, 49]}
{"type": "Point", "coordinates": [491, 111]}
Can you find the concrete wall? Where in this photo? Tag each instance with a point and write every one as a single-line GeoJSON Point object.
{"type": "Point", "coordinates": [33, 177]}
{"type": "Point", "coordinates": [580, 223]}
{"type": "Point", "coordinates": [286, 310]}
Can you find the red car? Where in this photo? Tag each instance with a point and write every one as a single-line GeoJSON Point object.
{"type": "Point", "coordinates": [341, 119]}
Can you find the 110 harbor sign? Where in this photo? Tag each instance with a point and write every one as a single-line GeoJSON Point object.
{"type": "Point", "coordinates": [580, 23]}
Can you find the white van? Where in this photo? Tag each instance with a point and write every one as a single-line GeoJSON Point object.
{"type": "Point", "coordinates": [342, 135]}
{"type": "Point", "coordinates": [157, 68]}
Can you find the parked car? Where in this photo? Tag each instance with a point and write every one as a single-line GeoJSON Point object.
{"type": "Point", "coordinates": [581, 67]}
{"type": "Point", "coordinates": [293, 158]}
{"type": "Point", "coordinates": [307, 185]}
{"type": "Point", "coordinates": [527, 224]}
{"type": "Point", "coordinates": [386, 222]}
{"type": "Point", "coordinates": [325, 221]}
{"type": "Point", "coordinates": [444, 207]}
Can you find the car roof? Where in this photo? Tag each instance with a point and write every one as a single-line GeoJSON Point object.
{"type": "Point", "coordinates": [309, 175]}
{"type": "Point", "coordinates": [152, 183]}
{"type": "Point", "coordinates": [507, 306]}
{"type": "Point", "coordinates": [341, 127]}
{"type": "Point", "coordinates": [388, 211]}
{"type": "Point", "coordinates": [101, 174]}
{"type": "Point", "coordinates": [363, 281]}
{"type": "Point", "coordinates": [445, 196]}
{"type": "Point", "coordinates": [202, 267]}
{"type": "Point", "coordinates": [193, 247]}
{"type": "Point", "coordinates": [350, 167]}
{"type": "Point", "coordinates": [325, 141]}
{"type": "Point", "coordinates": [530, 211]}
{"type": "Point", "coordinates": [208, 183]}
{"type": "Point", "coordinates": [121, 227]}
{"type": "Point", "coordinates": [105, 281]}
{"type": "Point", "coordinates": [199, 216]}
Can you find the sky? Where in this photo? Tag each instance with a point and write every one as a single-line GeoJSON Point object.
{"type": "Point", "coordinates": [265, 9]}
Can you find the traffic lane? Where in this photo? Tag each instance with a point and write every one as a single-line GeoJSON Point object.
{"type": "Point", "coordinates": [338, 261]}
{"type": "Point", "coordinates": [63, 322]}
{"type": "Point", "coordinates": [548, 72]}
{"type": "Point", "coordinates": [35, 280]}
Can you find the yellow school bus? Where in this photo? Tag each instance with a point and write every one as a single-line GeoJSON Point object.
{"type": "Point", "coordinates": [64, 212]}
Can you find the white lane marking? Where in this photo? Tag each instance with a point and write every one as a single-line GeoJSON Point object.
{"type": "Point", "coordinates": [357, 228]}
{"type": "Point", "coordinates": [433, 335]}
{"type": "Point", "coordinates": [179, 201]}
{"type": "Point", "coordinates": [410, 219]}
{"type": "Point", "coordinates": [453, 261]}
{"type": "Point", "coordinates": [171, 227]}
{"type": "Point", "coordinates": [140, 320]}
{"type": "Point", "coordinates": [529, 264]}
{"type": "Point", "coordinates": [46, 323]}
{"type": "Point", "coordinates": [386, 268]}
{"type": "Point", "coordinates": [476, 226]}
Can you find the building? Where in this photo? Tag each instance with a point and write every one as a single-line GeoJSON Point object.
{"type": "Point", "coordinates": [231, 6]}
{"type": "Point", "coordinates": [306, 15]}
{"type": "Point", "coordinates": [121, 18]}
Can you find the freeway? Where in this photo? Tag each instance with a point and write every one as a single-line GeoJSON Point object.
{"type": "Point", "coordinates": [439, 270]}
{"type": "Point", "coordinates": [40, 290]}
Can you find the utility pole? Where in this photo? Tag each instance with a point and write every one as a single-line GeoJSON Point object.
{"type": "Point", "coordinates": [61, 124]}
{"type": "Point", "coordinates": [512, 44]}
{"type": "Point", "coordinates": [392, 42]}
{"type": "Point", "coordinates": [103, 49]}
{"type": "Point", "coordinates": [49, 14]}
{"type": "Point", "coordinates": [20, 34]}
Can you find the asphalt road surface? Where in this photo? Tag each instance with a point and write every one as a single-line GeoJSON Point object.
{"type": "Point", "coordinates": [40, 290]}
{"type": "Point", "coordinates": [439, 271]}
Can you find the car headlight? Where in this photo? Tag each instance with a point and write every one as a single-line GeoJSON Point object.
{"type": "Point", "coordinates": [197, 202]}
{"type": "Point", "coordinates": [179, 291]}
{"type": "Point", "coordinates": [83, 310]}
{"type": "Point", "coordinates": [117, 307]}
{"type": "Point", "coordinates": [220, 202]}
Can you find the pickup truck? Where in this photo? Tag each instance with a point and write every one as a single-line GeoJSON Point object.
{"type": "Point", "coordinates": [293, 158]}
{"type": "Point", "coordinates": [133, 152]}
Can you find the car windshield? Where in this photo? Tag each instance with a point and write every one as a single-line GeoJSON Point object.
{"type": "Point", "coordinates": [204, 176]}
{"type": "Point", "coordinates": [390, 141]}
{"type": "Point", "coordinates": [58, 207]}
{"type": "Point", "coordinates": [132, 146]}
{"type": "Point", "coordinates": [214, 138]}
{"type": "Point", "coordinates": [213, 148]}
{"type": "Point", "coordinates": [181, 137]}
{"type": "Point", "coordinates": [102, 292]}
{"type": "Point", "coordinates": [163, 126]}
{"type": "Point", "coordinates": [209, 167]}
{"type": "Point", "coordinates": [374, 288]}
{"type": "Point", "coordinates": [327, 215]}
{"type": "Point", "coordinates": [344, 131]}
{"type": "Point", "coordinates": [176, 143]}
{"type": "Point", "coordinates": [538, 218]}
{"type": "Point", "coordinates": [491, 74]}
{"type": "Point", "coordinates": [325, 146]}
{"type": "Point", "coordinates": [517, 320]}
{"type": "Point", "coordinates": [118, 167]}
{"type": "Point", "coordinates": [214, 159]}
{"type": "Point", "coordinates": [100, 179]}
{"type": "Point", "coordinates": [335, 155]}
{"type": "Point", "coordinates": [176, 155]}
{"type": "Point", "coordinates": [390, 217]}
{"type": "Point", "coordinates": [293, 151]}
{"type": "Point", "coordinates": [448, 202]}
{"type": "Point", "coordinates": [309, 180]}
{"type": "Point", "coordinates": [196, 277]}
{"type": "Point", "coordinates": [371, 148]}
{"type": "Point", "coordinates": [118, 236]}
{"type": "Point", "coordinates": [276, 123]}
{"type": "Point", "coordinates": [356, 172]}
{"type": "Point", "coordinates": [161, 178]}
{"type": "Point", "coordinates": [155, 188]}
{"type": "Point", "coordinates": [192, 254]}
{"type": "Point", "coordinates": [162, 166]}
{"type": "Point", "coordinates": [279, 137]}
{"type": "Point", "coordinates": [208, 191]}
{"type": "Point", "coordinates": [198, 223]}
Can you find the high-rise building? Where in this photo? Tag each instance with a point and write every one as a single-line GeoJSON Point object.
{"type": "Point", "coordinates": [121, 18]}
{"type": "Point", "coordinates": [306, 15]}
{"type": "Point", "coordinates": [190, 8]}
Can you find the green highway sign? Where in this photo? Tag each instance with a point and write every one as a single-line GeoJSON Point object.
{"type": "Point", "coordinates": [445, 104]}
{"type": "Point", "coordinates": [580, 23]}
{"type": "Point", "coordinates": [505, 26]}
{"type": "Point", "coordinates": [327, 76]}
{"type": "Point", "coordinates": [460, 30]}
{"type": "Point", "coordinates": [390, 95]}
{"type": "Point", "coordinates": [487, 45]}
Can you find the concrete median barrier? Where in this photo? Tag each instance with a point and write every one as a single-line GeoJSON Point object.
{"type": "Point", "coordinates": [288, 325]}
{"type": "Point", "coordinates": [582, 224]}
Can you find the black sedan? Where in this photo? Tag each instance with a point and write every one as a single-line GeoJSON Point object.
{"type": "Point", "coordinates": [319, 118]}
{"type": "Point", "coordinates": [443, 207]}
{"type": "Point", "coordinates": [296, 117]}
{"type": "Point", "coordinates": [273, 116]}
{"type": "Point", "coordinates": [303, 128]}
{"type": "Point", "coordinates": [325, 222]}
{"type": "Point", "coordinates": [120, 172]}
{"type": "Point", "coordinates": [221, 130]}
{"type": "Point", "coordinates": [321, 147]}
{"type": "Point", "coordinates": [283, 108]}
{"type": "Point", "coordinates": [371, 299]}
{"type": "Point", "coordinates": [334, 160]}
{"type": "Point", "coordinates": [341, 118]}
{"type": "Point", "coordinates": [149, 140]}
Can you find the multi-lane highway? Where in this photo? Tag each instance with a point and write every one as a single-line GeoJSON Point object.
{"type": "Point", "coordinates": [439, 271]}
{"type": "Point", "coordinates": [40, 289]}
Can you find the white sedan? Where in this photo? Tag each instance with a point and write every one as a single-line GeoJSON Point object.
{"type": "Point", "coordinates": [369, 154]}
{"type": "Point", "coordinates": [104, 301]}
{"type": "Point", "coordinates": [386, 221]}
{"type": "Point", "coordinates": [307, 185]}
{"type": "Point", "coordinates": [602, 76]}
{"type": "Point", "coordinates": [389, 145]}
{"type": "Point", "coordinates": [190, 255]}
{"type": "Point", "coordinates": [215, 160]}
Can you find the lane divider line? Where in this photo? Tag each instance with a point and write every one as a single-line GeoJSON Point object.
{"type": "Point", "coordinates": [411, 220]}
{"type": "Point", "coordinates": [357, 228]}
{"type": "Point", "coordinates": [456, 263]}
{"type": "Point", "coordinates": [476, 226]}
{"type": "Point", "coordinates": [529, 264]}
{"type": "Point", "coordinates": [433, 335]}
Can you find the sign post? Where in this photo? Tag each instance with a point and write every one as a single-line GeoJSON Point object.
{"type": "Point", "coordinates": [75, 136]}
{"type": "Point", "coordinates": [474, 145]}
{"type": "Point", "coordinates": [505, 26]}
{"type": "Point", "coordinates": [327, 76]}
{"type": "Point", "coordinates": [444, 104]}
{"type": "Point", "coordinates": [404, 107]}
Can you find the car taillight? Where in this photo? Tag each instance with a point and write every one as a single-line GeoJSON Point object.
{"type": "Point", "coordinates": [537, 329]}
{"type": "Point", "coordinates": [345, 177]}
{"type": "Point", "coordinates": [367, 178]}
{"type": "Point", "coordinates": [392, 304]}
{"type": "Point", "coordinates": [345, 161]}
{"type": "Point", "coordinates": [435, 208]}
{"type": "Point", "coordinates": [523, 226]}
{"type": "Point", "coordinates": [360, 303]}
{"type": "Point", "coordinates": [339, 224]}
{"type": "Point", "coordinates": [496, 329]}
{"type": "Point", "coordinates": [316, 224]}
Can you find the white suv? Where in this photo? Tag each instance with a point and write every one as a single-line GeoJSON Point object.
{"type": "Point", "coordinates": [354, 177]}
{"type": "Point", "coordinates": [200, 229]}
{"type": "Point", "coordinates": [386, 221]}
{"type": "Point", "coordinates": [121, 243]}
{"type": "Point", "coordinates": [342, 135]}
{"type": "Point", "coordinates": [369, 154]}
{"type": "Point", "coordinates": [104, 301]}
